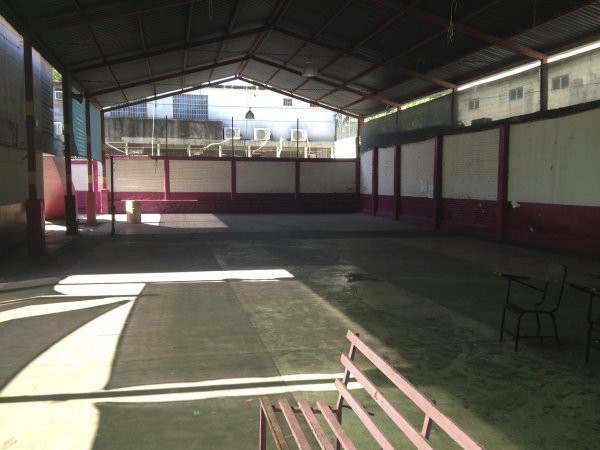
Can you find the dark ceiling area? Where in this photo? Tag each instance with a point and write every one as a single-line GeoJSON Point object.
{"type": "Point", "coordinates": [369, 54]}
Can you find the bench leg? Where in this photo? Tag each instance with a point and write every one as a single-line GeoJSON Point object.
{"type": "Point", "coordinates": [502, 324]}
{"type": "Point", "coordinates": [555, 331]}
{"type": "Point", "coordinates": [262, 431]}
{"type": "Point", "coordinates": [588, 344]}
{"type": "Point", "coordinates": [518, 332]}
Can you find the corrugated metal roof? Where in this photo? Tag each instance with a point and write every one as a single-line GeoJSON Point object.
{"type": "Point", "coordinates": [189, 42]}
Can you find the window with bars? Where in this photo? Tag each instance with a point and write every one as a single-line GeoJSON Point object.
{"type": "Point", "coordinates": [473, 104]}
{"type": "Point", "coordinates": [287, 102]}
{"type": "Point", "coordinates": [515, 94]}
{"type": "Point", "coordinates": [560, 82]}
{"type": "Point", "coordinates": [190, 106]}
{"type": "Point", "coordinates": [130, 111]}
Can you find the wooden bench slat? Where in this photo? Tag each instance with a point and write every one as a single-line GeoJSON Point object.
{"type": "Point", "coordinates": [426, 405]}
{"type": "Point", "coordinates": [405, 426]}
{"type": "Point", "coordinates": [335, 426]}
{"type": "Point", "coordinates": [276, 431]}
{"type": "Point", "coordinates": [364, 417]}
{"type": "Point", "coordinates": [315, 426]}
{"type": "Point", "coordinates": [294, 425]}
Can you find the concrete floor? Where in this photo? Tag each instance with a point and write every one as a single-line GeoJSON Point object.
{"type": "Point", "coordinates": [175, 353]}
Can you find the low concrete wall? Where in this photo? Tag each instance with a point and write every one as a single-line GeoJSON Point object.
{"type": "Point", "coordinates": [118, 127]}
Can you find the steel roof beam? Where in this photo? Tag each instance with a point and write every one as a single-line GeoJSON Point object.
{"type": "Point", "coordinates": [140, 7]}
{"type": "Point", "coordinates": [280, 8]}
{"type": "Point", "coordinates": [420, 44]}
{"type": "Point", "coordinates": [169, 76]}
{"type": "Point", "coordinates": [163, 51]}
{"type": "Point", "coordinates": [97, 44]}
{"type": "Point", "coordinates": [298, 97]}
{"type": "Point", "coordinates": [328, 83]}
{"type": "Point", "coordinates": [167, 94]}
{"type": "Point", "coordinates": [234, 13]}
{"type": "Point", "coordinates": [143, 40]}
{"type": "Point", "coordinates": [188, 31]}
{"type": "Point", "coordinates": [410, 73]}
{"type": "Point", "coordinates": [315, 35]}
{"type": "Point", "coordinates": [461, 28]}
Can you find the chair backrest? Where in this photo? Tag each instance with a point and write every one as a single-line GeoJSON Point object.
{"type": "Point", "coordinates": [419, 436]}
{"type": "Point", "coordinates": [555, 284]}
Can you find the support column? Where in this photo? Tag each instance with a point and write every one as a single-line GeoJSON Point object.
{"type": "Point", "coordinates": [502, 196]}
{"type": "Point", "coordinates": [544, 86]}
{"type": "Point", "coordinates": [357, 156]}
{"type": "Point", "coordinates": [70, 211]}
{"type": "Point", "coordinates": [34, 207]}
{"type": "Point", "coordinates": [375, 180]}
{"type": "Point", "coordinates": [104, 203]}
{"type": "Point", "coordinates": [167, 172]}
{"type": "Point", "coordinates": [91, 194]}
{"type": "Point", "coordinates": [233, 180]}
{"type": "Point", "coordinates": [437, 181]}
{"type": "Point", "coordinates": [397, 175]}
{"type": "Point", "coordinates": [297, 182]}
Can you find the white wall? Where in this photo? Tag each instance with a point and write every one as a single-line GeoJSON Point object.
{"type": "Point", "coordinates": [470, 165]}
{"type": "Point", "coordinates": [13, 182]}
{"type": "Point", "coordinates": [345, 148]}
{"type": "Point", "coordinates": [138, 175]}
{"type": "Point", "coordinates": [416, 169]}
{"type": "Point", "coordinates": [200, 176]}
{"type": "Point", "coordinates": [385, 171]}
{"type": "Point", "coordinates": [265, 177]}
{"type": "Point", "coordinates": [267, 106]}
{"type": "Point", "coordinates": [366, 172]}
{"type": "Point", "coordinates": [584, 80]}
{"type": "Point", "coordinates": [327, 177]}
{"type": "Point", "coordinates": [494, 101]}
{"type": "Point", "coordinates": [556, 161]}
{"type": "Point", "coordinates": [79, 176]}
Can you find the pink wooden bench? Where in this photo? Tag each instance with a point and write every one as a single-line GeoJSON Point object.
{"type": "Point", "coordinates": [332, 416]}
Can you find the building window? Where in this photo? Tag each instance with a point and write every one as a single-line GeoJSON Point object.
{"type": "Point", "coordinates": [515, 94]}
{"type": "Point", "coordinates": [130, 111]}
{"type": "Point", "coordinates": [190, 106]}
{"type": "Point", "coordinates": [560, 82]}
{"type": "Point", "coordinates": [287, 102]}
{"type": "Point", "coordinates": [473, 104]}
{"type": "Point", "coordinates": [58, 95]}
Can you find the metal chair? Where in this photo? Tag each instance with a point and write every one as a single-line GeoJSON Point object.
{"type": "Point", "coordinates": [548, 302]}
{"type": "Point", "coordinates": [593, 322]}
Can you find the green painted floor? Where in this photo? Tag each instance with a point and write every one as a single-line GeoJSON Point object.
{"type": "Point", "coordinates": [177, 359]}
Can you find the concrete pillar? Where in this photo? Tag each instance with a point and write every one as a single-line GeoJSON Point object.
{"type": "Point", "coordinates": [397, 167]}
{"type": "Point", "coordinates": [167, 174]}
{"type": "Point", "coordinates": [34, 207]}
{"type": "Point", "coordinates": [70, 210]}
{"type": "Point", "coordinates": [437, 181]}
{"type": "Point", "coordinates": [502, 195]}
{"type": "Point", "coordinates": [104, 203]}
{"type": "Point", "coordinates": [233, 180]}
{"type": "Point", "coordinates": [375, 180]}
{"type": "Point", "coordinates": [544, 86]}
{"type": "Point", "coordinates": [91, 195]}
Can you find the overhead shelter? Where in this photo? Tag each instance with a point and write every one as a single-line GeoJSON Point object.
{"type": "Point", "coordinates": [368, 54]}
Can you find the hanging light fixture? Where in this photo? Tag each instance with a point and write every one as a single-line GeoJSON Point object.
{"type": "Point", "coordinates": [249, 114]}
{"type": "Point", "coordinates": [309, 70]}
